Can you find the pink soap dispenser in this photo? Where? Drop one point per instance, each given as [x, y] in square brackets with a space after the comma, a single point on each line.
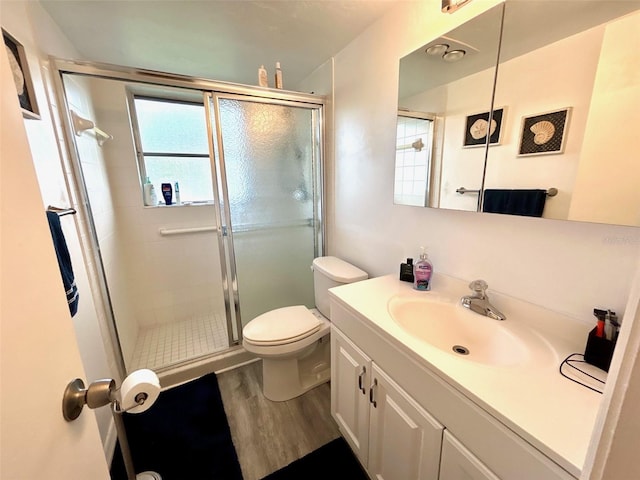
[422, 271]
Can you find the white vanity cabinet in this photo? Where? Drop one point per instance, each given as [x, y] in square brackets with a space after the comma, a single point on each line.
[393, 436]
[458, 463]
[400, 436]
[350, 377]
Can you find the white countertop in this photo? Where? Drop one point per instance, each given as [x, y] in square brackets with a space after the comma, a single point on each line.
[552, 413]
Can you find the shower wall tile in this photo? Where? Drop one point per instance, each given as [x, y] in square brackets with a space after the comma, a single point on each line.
[126, 195]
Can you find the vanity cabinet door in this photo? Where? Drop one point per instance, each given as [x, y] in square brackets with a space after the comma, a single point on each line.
[350, 380]
[404, 440]
[458, 463]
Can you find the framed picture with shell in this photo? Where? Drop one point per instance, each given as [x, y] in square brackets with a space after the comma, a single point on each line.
[544, 133]
[21, 77]
[477, 128]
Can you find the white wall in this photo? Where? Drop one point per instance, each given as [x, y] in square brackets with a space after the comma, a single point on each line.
[32, 26]
[320, 82]
[610, 127]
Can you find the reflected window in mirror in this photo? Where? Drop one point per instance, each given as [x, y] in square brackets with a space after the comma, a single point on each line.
[413, 170]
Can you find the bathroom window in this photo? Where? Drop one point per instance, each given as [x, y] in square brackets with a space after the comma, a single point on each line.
[173, 144]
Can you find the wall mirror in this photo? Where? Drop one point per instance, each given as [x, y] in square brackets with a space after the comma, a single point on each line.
[446, 80]
[564, 112]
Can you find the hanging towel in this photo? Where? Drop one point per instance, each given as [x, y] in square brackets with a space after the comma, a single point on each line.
[529, 203]
[64, 262]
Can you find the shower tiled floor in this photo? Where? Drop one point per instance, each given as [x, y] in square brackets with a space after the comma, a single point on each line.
[171, 343]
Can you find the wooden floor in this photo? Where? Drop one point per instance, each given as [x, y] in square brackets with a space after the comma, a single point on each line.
[270, 435]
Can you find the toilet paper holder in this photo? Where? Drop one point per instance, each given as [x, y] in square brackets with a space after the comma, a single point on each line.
[98, 394]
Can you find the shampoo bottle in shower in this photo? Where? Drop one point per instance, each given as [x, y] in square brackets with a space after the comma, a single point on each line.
[262, 77]
[422, 271]
[149, 193]
[177, 192]
[278, 75]
[167, 193]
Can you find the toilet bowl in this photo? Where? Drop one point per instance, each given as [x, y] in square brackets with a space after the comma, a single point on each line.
[293, 342]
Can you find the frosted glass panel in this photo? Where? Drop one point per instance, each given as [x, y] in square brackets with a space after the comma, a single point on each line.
[269, 160]
[268, 155]
[171, 127]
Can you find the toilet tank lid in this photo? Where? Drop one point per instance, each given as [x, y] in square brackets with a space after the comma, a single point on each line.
[339, 270]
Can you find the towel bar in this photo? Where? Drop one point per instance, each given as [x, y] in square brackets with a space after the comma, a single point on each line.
[552, 192]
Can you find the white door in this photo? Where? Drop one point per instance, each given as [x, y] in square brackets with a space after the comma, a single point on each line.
[350, 374]
[458, 463]
[404, 440]
[38, 350]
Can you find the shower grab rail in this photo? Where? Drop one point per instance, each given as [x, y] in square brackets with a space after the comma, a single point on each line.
[180, 231]
[249, 227]
[253, 227]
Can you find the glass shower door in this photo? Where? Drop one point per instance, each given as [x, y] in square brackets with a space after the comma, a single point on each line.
[269, 163]
[160, 270]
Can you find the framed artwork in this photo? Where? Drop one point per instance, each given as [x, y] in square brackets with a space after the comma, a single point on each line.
[477, 128]
[21, 76]
[544, 133]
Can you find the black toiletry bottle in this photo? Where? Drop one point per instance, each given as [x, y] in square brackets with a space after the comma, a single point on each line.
[406, 271]
[167, 193]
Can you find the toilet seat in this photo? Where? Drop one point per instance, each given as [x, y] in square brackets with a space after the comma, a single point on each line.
[281, 326]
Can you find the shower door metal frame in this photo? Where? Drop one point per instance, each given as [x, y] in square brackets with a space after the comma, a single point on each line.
[208, 88]
[217, 157]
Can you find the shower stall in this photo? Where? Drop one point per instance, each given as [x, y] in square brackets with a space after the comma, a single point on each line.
[180, 275]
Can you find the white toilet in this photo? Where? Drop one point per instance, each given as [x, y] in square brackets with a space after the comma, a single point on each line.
[293, 342]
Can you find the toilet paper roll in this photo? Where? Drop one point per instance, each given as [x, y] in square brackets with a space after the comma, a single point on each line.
[139, 384]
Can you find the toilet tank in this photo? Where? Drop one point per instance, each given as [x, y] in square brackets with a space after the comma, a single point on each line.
[329, 272]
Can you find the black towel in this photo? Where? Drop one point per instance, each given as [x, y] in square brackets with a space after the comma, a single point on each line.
[529, 203]
[64, 262]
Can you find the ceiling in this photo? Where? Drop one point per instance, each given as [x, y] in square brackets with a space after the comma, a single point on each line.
[215, 39]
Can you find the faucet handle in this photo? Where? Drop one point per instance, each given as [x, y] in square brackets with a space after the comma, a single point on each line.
[479, 287]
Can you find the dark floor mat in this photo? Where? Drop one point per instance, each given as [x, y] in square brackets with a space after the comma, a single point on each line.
[333, 460]
[185, 434]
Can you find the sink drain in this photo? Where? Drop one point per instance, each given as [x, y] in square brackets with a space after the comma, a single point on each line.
[460, 350]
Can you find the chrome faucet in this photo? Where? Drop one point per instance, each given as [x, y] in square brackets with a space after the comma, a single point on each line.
[479, 302]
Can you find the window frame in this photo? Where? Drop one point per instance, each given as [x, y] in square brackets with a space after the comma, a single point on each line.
[137, 138]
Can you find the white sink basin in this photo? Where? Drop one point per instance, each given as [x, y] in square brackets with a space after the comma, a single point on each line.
[448, 326]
